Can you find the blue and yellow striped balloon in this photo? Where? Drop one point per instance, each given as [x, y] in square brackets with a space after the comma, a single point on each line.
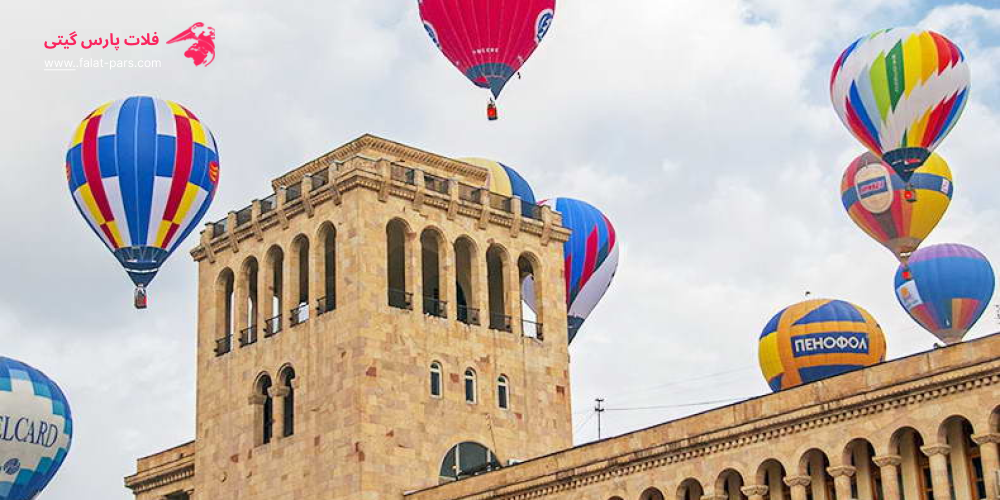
[505, 180]
[816, 339]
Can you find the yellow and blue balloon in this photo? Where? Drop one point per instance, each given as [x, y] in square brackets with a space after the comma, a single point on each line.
[816, 339]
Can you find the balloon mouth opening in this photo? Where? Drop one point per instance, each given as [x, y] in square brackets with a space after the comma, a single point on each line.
[141, 263]
[904, 161]
[573, 323]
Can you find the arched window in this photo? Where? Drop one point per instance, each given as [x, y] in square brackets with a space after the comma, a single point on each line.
[300, 312]
[651, 494]
[503, 392]
[496, 261]
[470, 385]
[465, 282]
[531, 314]
[264, 411]
[436, 381]
[288, 402]
[275, 289]
[328, 237]
[467, 459]
[431, 272]
[248, 334]
[396, 253]
[224, 304]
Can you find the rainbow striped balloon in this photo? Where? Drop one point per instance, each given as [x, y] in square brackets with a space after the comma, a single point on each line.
[816, 339]
[900, 91]
[143, 172]
[952, 285]
[873, 196]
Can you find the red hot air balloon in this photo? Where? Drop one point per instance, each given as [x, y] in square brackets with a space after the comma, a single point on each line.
[487, 41]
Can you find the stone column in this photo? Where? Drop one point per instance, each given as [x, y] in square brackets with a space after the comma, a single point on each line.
[889, 470]
[842, 480]
[755, 492]
[938, 455]
[798, 485]
[257, 402]
[991, 461]
[278, 395]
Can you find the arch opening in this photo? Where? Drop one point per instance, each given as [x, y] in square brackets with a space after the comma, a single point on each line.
[467, 310]
[396, 257]
[431, 271]
[496, 262]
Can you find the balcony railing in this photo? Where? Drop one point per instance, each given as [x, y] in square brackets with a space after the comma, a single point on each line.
[244, 216]
[403, 174]
[501, 203]
[400, 299]
[219, 228]
[268, 204]
[501, 322]
[435, 307]
[470, 194]
[299, 314]
[532, 329]
[436, 184]
[325, 305]
[248, 335]
[293, 192]
[531, 211]
[223, 345]
[468, 315]
[320, 179]
[272, 326]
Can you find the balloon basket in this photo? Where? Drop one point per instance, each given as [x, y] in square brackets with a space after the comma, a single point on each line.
[140, 297]
[910, 194]
[491, 111]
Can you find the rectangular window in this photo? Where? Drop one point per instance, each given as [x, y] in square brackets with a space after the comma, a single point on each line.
[502, 396]
[470, 390]
[436, 384]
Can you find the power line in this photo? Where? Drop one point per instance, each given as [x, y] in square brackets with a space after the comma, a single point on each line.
[584, 423]
[679, 405]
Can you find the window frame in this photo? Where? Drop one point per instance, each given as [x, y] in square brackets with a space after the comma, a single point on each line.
[503, 392]
[436, 369]
[470, 378]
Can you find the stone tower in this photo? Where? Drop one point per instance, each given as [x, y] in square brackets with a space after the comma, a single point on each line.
[363, 321]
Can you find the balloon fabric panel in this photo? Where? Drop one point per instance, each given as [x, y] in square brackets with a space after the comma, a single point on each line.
[143, 172]
[900, 90]
[488, 41]
[816, 339]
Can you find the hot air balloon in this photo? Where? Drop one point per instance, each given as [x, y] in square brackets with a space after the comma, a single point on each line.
[505, 181]
[816, 339]
[591, 259]
[143, 172]
[487, 41]
[900, 91]
[952, 285]
[37, 430]
[873, 196]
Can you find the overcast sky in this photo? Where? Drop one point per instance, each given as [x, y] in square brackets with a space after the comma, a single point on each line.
[701, 127]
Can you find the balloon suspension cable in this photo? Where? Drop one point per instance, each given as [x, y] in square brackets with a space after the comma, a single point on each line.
[140, 297]
[491, 111]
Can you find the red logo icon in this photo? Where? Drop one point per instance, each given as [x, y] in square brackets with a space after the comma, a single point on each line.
[202, 51]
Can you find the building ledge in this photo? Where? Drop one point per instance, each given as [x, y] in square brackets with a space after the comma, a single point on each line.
[163, 468]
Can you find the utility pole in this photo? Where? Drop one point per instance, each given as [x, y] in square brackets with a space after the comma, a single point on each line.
[599, 408]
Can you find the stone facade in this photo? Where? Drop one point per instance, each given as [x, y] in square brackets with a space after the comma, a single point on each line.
[356, 370]
[365, 424]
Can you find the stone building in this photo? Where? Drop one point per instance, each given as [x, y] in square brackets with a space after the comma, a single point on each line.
[360, 337]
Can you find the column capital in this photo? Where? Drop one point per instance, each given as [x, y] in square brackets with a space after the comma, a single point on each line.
[797, 480]
[842, 470]
[993, 437]
[278, 391]
[888, 460]
[754, 490]
[257, 399]
[935, 449]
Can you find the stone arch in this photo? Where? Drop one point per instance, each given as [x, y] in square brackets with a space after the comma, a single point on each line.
[225, 290]
[398, 273]
[866, 482]
[814, 463]
[274, 289]
[651, 493]
[690, 489]
[433, 271]
[497, 266]
[771, 473]
[300, 272]
[467, 279]
[326, 267]
[532, 286]
[729, 484]
[247, 300]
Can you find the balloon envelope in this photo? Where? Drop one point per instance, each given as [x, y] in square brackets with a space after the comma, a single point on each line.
[487, 41]
[816, 339]
[143, 172]
[591, 259]
[873, 196]
[37, 430]
[900, 91]
[952, 285]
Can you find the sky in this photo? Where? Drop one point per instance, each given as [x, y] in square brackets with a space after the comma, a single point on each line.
[703, 129]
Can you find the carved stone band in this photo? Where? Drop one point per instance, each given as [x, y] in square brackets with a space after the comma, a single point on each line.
[888, 460]
[754, 490]
[986, 438]
[798, 480]
[843, 470]
[937, 449]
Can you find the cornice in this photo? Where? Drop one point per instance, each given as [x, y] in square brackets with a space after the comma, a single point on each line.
[853, 407]
[161, 476]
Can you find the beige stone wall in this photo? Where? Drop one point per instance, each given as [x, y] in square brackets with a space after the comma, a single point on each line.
[829, 423]
[366, 426]
[170, 472]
